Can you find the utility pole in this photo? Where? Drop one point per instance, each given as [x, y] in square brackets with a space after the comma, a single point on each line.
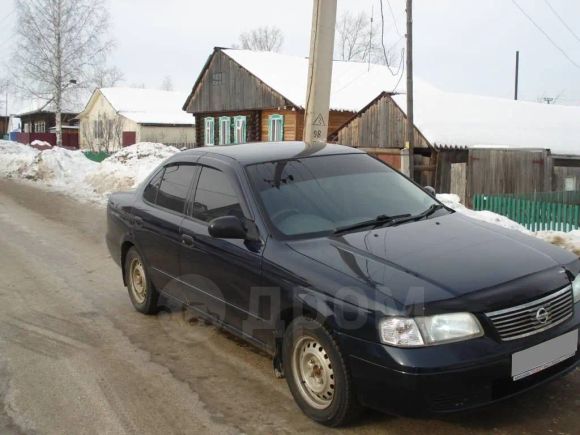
[320, 72]
[371, 35]
[410, 115]
[517, 74]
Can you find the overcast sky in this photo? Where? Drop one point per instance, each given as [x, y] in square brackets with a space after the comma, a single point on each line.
[460, 45]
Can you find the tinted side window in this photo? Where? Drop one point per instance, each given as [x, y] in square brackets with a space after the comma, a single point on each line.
[150, 192]
[174, 187]
[215, 197]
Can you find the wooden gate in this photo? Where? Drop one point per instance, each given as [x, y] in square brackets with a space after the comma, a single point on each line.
[129, 138]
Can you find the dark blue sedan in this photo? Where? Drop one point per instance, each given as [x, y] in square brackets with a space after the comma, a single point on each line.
[365, 289]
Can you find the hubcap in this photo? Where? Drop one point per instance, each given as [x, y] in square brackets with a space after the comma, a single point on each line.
[313, 373]
[138, 281]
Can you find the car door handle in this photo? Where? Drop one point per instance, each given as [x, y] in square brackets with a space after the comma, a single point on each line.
[187, 240]
[138, 222]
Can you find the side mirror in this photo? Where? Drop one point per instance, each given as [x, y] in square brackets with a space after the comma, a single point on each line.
[227, 227]
[431, 191]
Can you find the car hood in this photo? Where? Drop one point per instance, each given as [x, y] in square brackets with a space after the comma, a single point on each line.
[447, 257]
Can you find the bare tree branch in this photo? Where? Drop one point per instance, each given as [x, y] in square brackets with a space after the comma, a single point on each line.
[357, 40]
[106, 77]
[61, 45]
[167, 84]
[262, 39]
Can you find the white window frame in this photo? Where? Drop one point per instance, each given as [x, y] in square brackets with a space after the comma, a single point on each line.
[276, 128]
[240, 130]
[209, 135]
[225, 124]
[40, 127]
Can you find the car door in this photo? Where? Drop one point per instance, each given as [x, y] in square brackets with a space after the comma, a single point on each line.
[158, 218]
[221, 275]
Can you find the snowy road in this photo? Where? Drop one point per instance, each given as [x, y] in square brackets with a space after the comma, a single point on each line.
[75, 357]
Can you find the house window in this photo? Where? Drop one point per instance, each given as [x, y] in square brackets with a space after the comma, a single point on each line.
[216, 78]
[209, 132]
[276, 128]
[570, 184]
[98, 129]
[27, 127]
[240, 129]
[225, 130]
[40, 127]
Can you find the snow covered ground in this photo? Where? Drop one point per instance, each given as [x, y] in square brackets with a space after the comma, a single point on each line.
[570, 240]
[70, 172]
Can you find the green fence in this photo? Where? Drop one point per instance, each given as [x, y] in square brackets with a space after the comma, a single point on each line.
[96, 156]
[533, 214]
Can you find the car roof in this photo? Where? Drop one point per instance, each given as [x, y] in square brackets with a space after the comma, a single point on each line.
[259, 152]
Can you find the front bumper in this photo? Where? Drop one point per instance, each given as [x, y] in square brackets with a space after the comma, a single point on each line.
[446, 378]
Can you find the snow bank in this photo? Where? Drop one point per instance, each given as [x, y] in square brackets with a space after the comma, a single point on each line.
[14, 157]
[128, 167]
[70, 172]
[40, 143]
[59, 167]
[453, 202]
[570, 241]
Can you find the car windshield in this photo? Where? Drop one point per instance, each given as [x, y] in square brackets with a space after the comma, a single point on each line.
[314, 195]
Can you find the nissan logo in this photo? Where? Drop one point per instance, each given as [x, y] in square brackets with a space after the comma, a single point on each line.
[542, 316]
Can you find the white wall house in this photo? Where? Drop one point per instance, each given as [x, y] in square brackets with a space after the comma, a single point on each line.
[117, 117]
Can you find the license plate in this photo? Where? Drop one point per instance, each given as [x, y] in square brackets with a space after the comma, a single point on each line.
[543, 356]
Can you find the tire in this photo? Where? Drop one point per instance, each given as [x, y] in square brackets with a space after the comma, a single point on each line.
[142, 293]
[317, 374]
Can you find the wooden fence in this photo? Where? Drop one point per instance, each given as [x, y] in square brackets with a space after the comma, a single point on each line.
[535, 215]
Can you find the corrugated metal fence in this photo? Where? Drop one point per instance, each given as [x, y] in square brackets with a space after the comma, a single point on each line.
[535, 214]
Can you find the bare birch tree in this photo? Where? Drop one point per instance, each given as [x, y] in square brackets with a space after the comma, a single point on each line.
[167, 84]
[4, 85]
[61, 43]
[358, 39]
[266, 38]
[107, 77]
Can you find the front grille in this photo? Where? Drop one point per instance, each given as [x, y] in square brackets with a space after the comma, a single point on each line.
[533, 317]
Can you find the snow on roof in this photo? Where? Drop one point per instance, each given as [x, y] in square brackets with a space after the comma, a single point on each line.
[475, 121]
[444, 118]
[354, 84]
[39, 105]
[149, 106]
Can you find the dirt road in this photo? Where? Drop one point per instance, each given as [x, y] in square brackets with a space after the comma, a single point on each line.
[76, 358]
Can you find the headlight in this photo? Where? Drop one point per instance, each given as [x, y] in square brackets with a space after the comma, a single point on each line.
[426, 331]
[576, 289]
[401, 332]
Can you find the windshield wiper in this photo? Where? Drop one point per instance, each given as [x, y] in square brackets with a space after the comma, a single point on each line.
[376, 222]
[419, 216]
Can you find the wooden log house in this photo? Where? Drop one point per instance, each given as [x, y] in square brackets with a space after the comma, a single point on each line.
[235, 103]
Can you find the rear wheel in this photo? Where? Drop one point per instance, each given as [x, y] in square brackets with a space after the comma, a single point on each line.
[141, 291]
[317, 374]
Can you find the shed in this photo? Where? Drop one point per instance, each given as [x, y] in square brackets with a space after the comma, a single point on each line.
[117, 117]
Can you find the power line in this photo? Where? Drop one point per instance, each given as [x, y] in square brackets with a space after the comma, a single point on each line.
[393, 16]
[7, 16]
[560, 49]
[394, 73]
[562, 20]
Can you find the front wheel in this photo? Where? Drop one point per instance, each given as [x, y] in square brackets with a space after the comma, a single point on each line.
[143, 295]
[317, 374]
